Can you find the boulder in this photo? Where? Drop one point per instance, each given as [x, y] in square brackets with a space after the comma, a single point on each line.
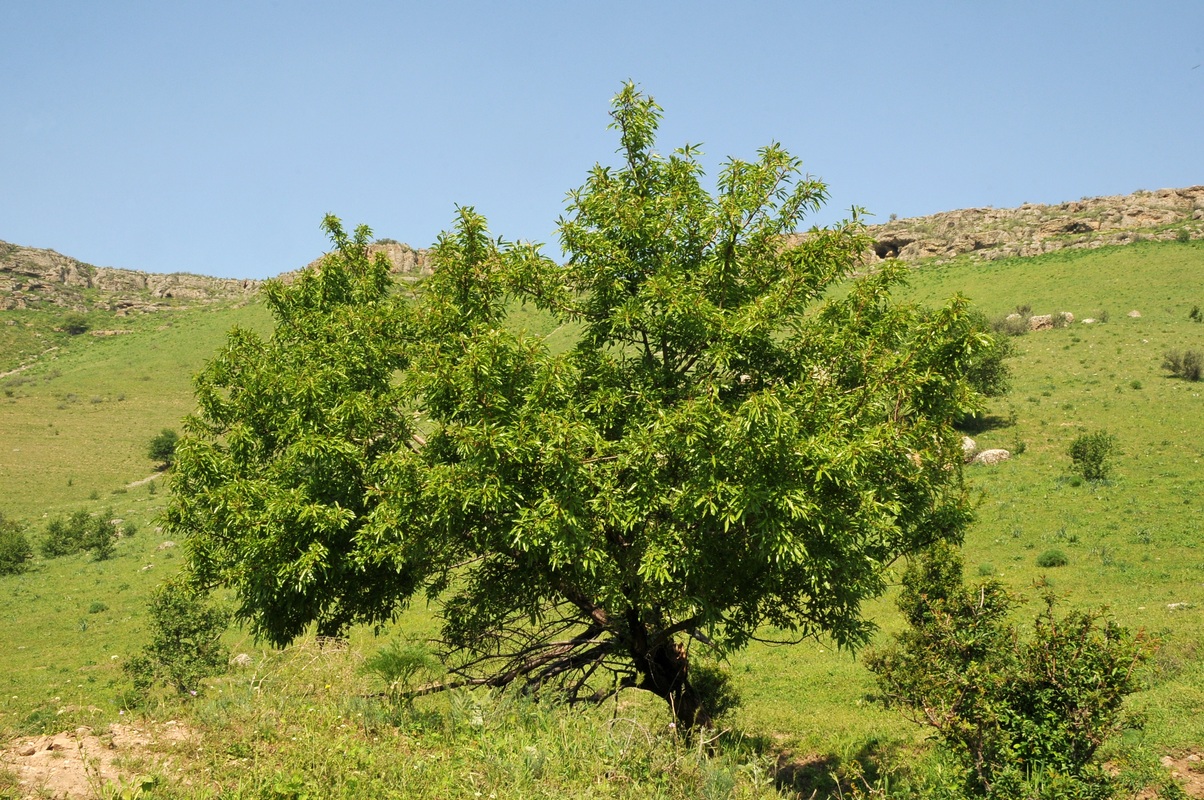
[991, 457]
[1040, 322]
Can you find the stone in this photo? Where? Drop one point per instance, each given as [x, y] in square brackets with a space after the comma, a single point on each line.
[969, 448]
[1135, 313]
[1040, 322]
[992, 457]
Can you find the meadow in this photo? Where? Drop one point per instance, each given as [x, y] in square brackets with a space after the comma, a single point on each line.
[310, 721]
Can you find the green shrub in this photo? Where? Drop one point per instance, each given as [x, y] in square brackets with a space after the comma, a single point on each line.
[15, 550]
[78, 532]
[1052, 558]
[96, 607]
[1187, 365]
[185, 644]
[1091, 454]
[400, 665]
[1021, 718]
[1012, 325]
[163, 447]
[75, 324]
[1194, 315]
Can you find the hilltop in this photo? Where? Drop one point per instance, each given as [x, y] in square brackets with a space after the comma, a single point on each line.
[33, 278]
[1033, 229]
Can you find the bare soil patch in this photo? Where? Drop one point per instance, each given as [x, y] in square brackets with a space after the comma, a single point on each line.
[79, 764]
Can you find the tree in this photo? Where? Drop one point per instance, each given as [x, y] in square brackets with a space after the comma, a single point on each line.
[1008, 710]
[15, 550]
[162, 447]
[185, 646]
[738, 438]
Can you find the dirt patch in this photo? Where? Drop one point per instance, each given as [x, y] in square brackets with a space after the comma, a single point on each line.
[81, 763]
[1188, 772]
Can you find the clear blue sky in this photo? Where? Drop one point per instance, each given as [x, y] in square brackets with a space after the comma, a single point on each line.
[212, 137]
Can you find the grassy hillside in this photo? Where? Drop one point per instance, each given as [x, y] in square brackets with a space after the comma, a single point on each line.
[74, 433]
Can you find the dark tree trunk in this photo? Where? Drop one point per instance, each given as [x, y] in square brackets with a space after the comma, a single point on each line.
[664, 671]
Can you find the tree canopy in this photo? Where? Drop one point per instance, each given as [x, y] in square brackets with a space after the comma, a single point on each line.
[742, 439]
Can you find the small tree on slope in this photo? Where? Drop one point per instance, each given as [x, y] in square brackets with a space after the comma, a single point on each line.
[730, 445]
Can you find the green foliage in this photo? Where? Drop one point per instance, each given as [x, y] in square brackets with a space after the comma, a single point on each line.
[729, 444]
[79, 532]
[185, 644]
[1022, 718]
[1091, 454]
[163, 447]
[75, 324]
[1187, 365]
[15, 550]
[1195, 315]
[399, 665]
[1052, 558]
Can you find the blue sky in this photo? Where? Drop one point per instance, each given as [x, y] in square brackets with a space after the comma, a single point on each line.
[212, 137]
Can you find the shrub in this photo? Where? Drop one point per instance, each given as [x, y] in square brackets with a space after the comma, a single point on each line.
[1194, 315]
[1052, 558]
[1091, 454]
[163, 447]
[1187, 365]
[78, 532]
[399, 665]
[1020, 718]
[15, 551]
[1014, 324]
[185, 644]
[75, 324]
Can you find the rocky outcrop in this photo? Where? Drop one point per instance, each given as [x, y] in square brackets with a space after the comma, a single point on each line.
[32, 276]
[1031, 229]
[407, 263]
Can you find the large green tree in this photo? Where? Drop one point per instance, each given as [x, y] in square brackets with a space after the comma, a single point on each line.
[744, 437]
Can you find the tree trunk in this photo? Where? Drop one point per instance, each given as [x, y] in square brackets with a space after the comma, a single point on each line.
[664, 671]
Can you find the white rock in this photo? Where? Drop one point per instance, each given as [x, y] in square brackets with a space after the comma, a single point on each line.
[990, 457]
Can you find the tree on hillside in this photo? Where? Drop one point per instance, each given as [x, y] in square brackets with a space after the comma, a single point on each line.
[162, 448]
[733, 447]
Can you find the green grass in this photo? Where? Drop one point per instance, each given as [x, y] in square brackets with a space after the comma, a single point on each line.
[79, 421]
[1132, 543]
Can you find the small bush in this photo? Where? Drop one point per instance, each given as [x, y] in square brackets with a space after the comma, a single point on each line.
[1194, 315]
[1183, 235]
[97, 607]
[1091, 454]
[75, 324]
[1021, 718]
[400, 665]
[1062, 319]
[79, 532]
[15, 550]
[163, 447]
[185, 644]
[1187, 365]
[1011, 325]
[1052, 558]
